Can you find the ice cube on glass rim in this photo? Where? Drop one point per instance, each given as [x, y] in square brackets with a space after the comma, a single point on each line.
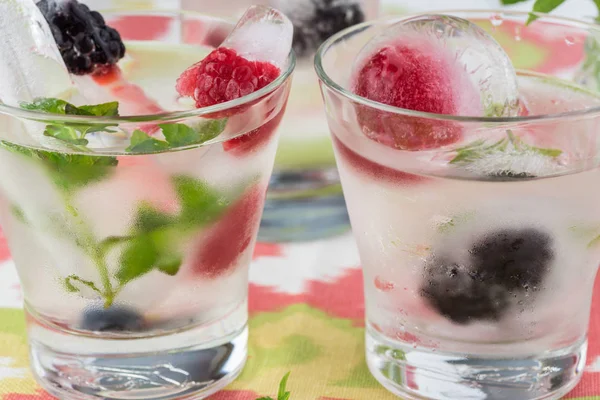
[455, 47]
[262, 34]
[30, 63]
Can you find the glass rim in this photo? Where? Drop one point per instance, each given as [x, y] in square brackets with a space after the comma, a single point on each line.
[335, 87]
[15, 111]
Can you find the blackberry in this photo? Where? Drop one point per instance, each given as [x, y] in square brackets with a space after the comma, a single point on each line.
[82, 36]
[327, 18]
[113, 319]
[517, 259]
[499, 266]
[460, 296]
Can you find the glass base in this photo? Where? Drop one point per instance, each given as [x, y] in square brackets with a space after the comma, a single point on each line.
[422, 374]
[304, 205]
[164, 367]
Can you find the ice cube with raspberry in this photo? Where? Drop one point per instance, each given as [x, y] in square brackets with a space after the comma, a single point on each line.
[431, 64]
[251, 57]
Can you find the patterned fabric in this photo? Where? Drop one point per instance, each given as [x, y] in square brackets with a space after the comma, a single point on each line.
[306, 315]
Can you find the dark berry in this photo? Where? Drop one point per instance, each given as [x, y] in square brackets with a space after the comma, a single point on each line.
[84, 40]
[517, 259]
[113, 319]
[500, 265]
[461, 297]
[328, 18]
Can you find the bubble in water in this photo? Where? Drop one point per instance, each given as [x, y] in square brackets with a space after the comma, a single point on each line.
[459, 45]
[496, 20]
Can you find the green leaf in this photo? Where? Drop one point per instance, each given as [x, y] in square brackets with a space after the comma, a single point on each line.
[169, 264]
[102, 110]
[137, 259]
[149, 219]
[179, 135]
[141, 142]
[200, 204]
[543, 6]
[283, 394]
[65, 133]
[68, 170]
[74, 289]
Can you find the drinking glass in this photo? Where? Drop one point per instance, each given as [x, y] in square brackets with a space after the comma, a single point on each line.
[133, 257]
[305, 200]
[479, 257]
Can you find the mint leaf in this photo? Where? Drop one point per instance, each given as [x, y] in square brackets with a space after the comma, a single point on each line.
[200, 204]
[74, 289]
[543, 6]
[169, 264]
[137, 259]
[69, 132]
[66, 134]
[68, 170]
[179, 135]
[102, 110]
[149, 219]
[283, 394]
[141, 142]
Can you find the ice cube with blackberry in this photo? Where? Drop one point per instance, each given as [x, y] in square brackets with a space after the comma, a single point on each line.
[482, 273]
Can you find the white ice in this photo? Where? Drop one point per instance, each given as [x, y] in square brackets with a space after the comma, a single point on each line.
[30, 63]
[262, 34]
[487, 64]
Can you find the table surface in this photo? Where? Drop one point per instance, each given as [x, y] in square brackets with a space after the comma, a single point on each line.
[306, 317]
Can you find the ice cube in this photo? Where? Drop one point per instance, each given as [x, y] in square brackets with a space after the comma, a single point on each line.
[262, 34]
[461, 49]
[30, 63]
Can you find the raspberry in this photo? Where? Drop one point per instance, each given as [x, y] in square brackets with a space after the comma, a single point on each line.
[373, 169]
[224, 76]
[255, 139]
[231, 235]
[421, 78]
[82, 36]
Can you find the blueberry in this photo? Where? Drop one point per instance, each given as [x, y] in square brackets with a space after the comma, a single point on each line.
[500, 265]
[82, 36]
[113, 319]
[327, 18]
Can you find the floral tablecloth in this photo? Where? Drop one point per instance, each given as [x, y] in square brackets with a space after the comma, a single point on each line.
[306, 314]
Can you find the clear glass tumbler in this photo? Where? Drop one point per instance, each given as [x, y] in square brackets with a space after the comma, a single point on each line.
[479, 257]
[134, 258]
[305, 200]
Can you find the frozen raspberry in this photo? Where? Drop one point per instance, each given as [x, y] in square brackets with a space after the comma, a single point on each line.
[224, 76]
[82, 36]
[231, 235]
[373, 169]
[255, 139]
[421, 78]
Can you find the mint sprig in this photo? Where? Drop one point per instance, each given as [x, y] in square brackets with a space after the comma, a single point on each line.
[282, 394]
[176, 135]
[72, 133]
[546, 6]
[480, 149]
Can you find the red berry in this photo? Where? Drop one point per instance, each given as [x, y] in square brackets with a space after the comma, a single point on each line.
[371, 168]
[231, 235]
[421, 78]
[255, 139]
[224, 76]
